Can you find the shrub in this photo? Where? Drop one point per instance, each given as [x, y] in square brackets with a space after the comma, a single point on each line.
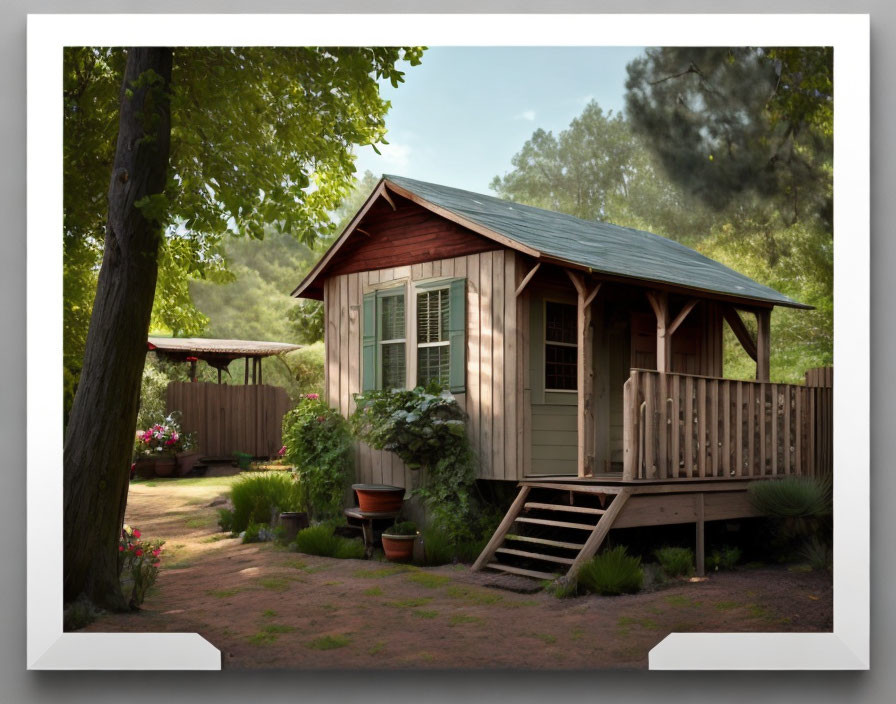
[162, 439]
[225, 519]
[791, 497]
[320, 540]
[403, 528]
[257, 497]
[138, 564]
[611, 573]
[724, 558]
[318, 444]
[242, 459]
[425, 427]
[676, 562]
[817, 554]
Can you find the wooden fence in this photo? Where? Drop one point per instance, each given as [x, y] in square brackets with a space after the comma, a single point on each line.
[228, 419]
[684, 426]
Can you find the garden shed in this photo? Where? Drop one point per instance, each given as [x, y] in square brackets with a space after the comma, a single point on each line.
[227, 418]
[585, 354]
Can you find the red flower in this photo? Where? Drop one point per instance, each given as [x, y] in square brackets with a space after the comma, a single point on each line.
[139, 552]
[155, 553]
[121, 548]
[136, 533]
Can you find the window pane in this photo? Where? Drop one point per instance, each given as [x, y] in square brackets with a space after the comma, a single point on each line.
[393, 366]
[432, 316]
[432, 365]
[392, 317]
[560, 367]
[560, 322]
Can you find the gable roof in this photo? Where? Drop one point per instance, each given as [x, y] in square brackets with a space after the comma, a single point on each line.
[545, 234]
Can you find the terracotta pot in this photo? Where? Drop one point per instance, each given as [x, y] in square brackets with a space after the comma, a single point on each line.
[186, 461]
[144, 467]
[165, 466]
[293, 522]
[379, 498]
[398, 548]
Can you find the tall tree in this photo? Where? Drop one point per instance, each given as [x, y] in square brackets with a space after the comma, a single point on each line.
[729, 123]
[250, 137]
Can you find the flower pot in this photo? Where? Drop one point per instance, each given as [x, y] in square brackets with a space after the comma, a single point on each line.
[398, 548]
[379, 498]
[165, 466]
[186, 461]
[149, 467]
[293, 522]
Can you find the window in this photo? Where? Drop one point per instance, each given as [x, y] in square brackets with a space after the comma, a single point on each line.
[560, 350]
[391, 324]
[433, 345]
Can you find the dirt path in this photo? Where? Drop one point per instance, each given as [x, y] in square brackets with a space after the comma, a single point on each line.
[264, 607]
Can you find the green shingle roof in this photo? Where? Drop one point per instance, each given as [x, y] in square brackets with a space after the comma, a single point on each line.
[602, 247]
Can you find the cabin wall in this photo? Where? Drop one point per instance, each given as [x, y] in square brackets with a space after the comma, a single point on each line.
[493, 378]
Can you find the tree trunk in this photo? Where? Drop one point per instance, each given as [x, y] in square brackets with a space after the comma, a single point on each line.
[100, 435]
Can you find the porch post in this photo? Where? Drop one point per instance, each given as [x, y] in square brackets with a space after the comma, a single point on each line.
[763, 343]
[659, 301]
[585, 425]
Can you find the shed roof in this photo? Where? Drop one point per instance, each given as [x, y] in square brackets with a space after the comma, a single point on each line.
[201, 346]
[598, 246]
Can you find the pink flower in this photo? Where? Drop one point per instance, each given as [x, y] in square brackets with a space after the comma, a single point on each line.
[121, 548]
[312, 397]
[156, 563]
[139, 552]
[136, 533]
[282, 451]
[155, 553]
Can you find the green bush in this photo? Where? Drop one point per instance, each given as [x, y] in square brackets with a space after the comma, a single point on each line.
[320, 540]
[817, 554]
[426, 428]
[611, 573]
[724, 558]
[402, 528]
[256, 497]
[225, 519]
[318, 444]
[676, 562]
[791, 497]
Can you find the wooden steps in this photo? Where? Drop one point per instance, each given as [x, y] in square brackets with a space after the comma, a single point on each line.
[499, 554]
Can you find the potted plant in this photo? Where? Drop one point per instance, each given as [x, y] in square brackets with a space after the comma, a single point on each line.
[242, 460]
[157, 447]
[189, 455]
[398, 541]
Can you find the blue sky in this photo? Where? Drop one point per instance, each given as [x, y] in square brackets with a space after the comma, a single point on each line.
[461, 115]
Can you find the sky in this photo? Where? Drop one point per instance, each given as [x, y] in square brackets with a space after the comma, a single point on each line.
[462, 114]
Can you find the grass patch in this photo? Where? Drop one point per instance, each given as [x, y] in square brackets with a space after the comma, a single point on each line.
[723, 558]
[625, 622]
[275, 584]
[463, 619]
[328, 642]
[430, 581]
[216, 537]
[268, 613]
[275, 628]
[262, 638]
[201, 522]
[223, 593]
[376, 648]
[726, 605]
[472, 596]
[373, 591]
[680, 600]
[423, 613]
[411, 603]
[294, 564]
[383, 571]
[545, 638]
[611, 573]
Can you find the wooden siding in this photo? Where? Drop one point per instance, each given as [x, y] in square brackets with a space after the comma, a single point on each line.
[492, 377]
[229, 419]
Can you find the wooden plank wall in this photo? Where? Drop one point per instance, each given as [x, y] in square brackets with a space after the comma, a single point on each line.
[228, 419]
[821, 410]
[687, 426]
[493, 375]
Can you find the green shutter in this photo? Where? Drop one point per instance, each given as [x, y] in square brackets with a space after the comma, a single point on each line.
[368, 350]
[457, 335]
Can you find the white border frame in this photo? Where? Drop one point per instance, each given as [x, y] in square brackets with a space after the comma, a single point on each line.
[846, 648]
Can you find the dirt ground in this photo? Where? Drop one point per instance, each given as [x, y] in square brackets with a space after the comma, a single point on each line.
[265, 607]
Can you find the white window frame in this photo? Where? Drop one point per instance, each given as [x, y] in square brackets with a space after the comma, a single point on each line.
[419, 345]
[387, 292]
[546, 342]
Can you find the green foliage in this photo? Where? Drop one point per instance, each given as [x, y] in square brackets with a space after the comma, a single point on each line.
[78, 614]
[262, 137]
[611, 573]
[253, 532]
[817, 553]
[425, 428]
[320, 540]
[242, 459]
[791, 497]
[320, 447]
[724, 558]
[402, 528]
[256, 497]
[138, 565]
[676, 562]
[152, 393]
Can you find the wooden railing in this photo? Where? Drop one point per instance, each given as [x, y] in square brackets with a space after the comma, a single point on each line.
[679, 426]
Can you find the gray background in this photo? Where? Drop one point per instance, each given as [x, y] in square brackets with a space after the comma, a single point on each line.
[18, 685]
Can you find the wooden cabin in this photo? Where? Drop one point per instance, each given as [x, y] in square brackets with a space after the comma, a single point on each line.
[585, 354]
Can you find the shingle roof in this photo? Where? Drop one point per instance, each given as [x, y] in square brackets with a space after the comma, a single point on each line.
[203, 345]
[606, 248]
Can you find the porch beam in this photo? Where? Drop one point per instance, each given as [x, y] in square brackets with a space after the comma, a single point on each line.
[659, 301]
[763, 344]
[388, 199]
[585, 426]
[527, 278]
[736, 323]
[682, 314]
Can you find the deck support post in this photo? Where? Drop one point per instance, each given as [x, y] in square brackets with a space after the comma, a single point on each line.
[659, 301]
[586, 428]
[246, 371]
[701, 541]
[763, 343]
